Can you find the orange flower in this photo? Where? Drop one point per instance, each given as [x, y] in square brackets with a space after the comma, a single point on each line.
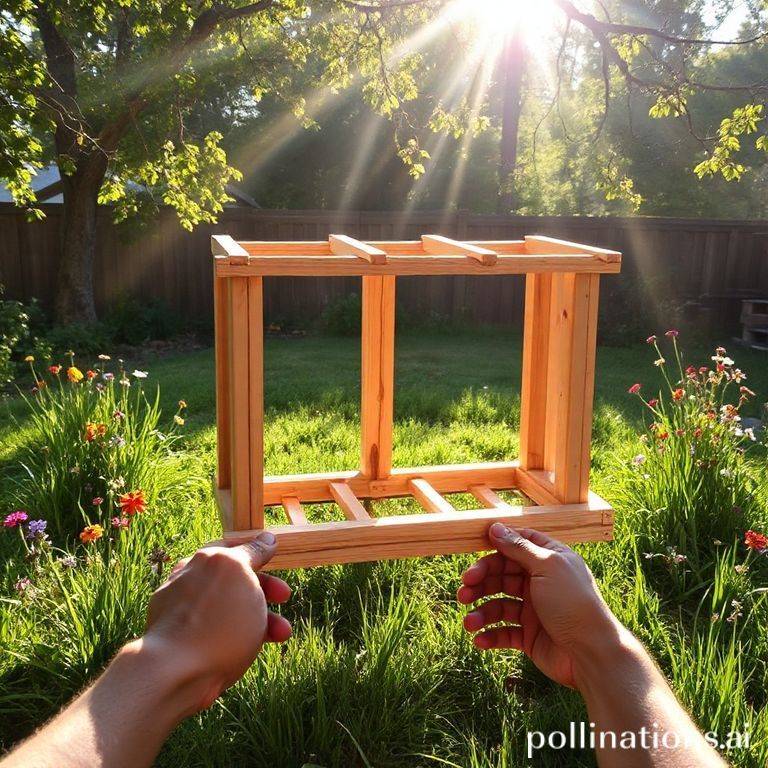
[54, 369]
[75, 375]
[92, 431]
[91, 533]
[756, 541]
[678, 394]
[89, 374]
[133, 503]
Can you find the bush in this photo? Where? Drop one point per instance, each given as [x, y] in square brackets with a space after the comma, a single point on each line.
[17, 334]
[97, 440]
[89, 339]
[689, 482]
[131, 321]
[343, 316]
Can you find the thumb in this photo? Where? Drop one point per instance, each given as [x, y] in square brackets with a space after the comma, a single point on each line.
[517, 548]
[259, 550]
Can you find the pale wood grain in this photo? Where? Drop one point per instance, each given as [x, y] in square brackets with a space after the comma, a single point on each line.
[349, 503]
[223, 405]
[294, 511]
[256, 397]
[225, 248]
[341, 245]
[428, 497]
[437, 244]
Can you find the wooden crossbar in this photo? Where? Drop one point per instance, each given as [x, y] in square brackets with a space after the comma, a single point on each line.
[562, 286]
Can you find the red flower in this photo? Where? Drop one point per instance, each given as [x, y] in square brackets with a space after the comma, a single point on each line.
[92, 431]
[89, 374]
[663, 435]
[650, 340]
[756, 541]
[697, 433]
[691, 372]
[133, 503]
[54, 369]
[653, 402]
[703, 369]
[678, 394]
[673, 334]
[97, 501]
[634, 389]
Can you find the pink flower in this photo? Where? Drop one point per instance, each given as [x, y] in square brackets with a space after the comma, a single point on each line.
[15, 518]
[673, 334]
[634, 389]
[97, 501]
[653, 402]
[650, 340]
[120, 522]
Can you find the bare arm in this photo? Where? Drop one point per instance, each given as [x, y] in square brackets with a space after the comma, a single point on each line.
[553, 611]
[205, 626]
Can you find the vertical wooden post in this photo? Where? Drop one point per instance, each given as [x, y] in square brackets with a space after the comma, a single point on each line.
[533, 397]
[570, 390]
[256, 398]
[221, 313]
[239, 387]
[377, 373]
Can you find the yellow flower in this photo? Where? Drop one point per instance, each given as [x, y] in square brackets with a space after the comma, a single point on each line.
[74, 374]
[178, 420]
[91, 533]
[182, 404]
[29, 359]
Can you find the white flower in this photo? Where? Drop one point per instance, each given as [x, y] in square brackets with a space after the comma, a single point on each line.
[726, 473]
[104, 357]
[140, 374]
[750, 433]
[727, 361]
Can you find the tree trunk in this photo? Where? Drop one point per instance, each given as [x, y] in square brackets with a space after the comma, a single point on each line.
[74, 301]
[513, 63]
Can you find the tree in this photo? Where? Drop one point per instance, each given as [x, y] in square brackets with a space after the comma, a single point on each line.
[127, 90]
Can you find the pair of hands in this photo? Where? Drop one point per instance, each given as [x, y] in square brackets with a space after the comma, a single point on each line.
[212, 618]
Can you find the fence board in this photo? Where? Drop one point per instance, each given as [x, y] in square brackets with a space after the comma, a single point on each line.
[665, 261]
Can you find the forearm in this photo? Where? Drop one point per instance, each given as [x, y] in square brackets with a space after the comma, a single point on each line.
[121, 720]
[625, 693]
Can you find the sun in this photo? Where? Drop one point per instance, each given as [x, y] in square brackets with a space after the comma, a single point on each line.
[494, 19]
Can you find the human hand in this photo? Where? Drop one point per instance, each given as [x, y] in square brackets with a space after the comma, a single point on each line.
[210, 619]
[552, 609]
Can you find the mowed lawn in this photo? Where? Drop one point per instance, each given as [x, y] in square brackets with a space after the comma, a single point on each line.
[380, 672]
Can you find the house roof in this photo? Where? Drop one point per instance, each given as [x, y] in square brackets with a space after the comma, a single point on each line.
[47, 185]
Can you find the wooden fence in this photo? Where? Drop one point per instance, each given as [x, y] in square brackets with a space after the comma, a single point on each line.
[668, 263]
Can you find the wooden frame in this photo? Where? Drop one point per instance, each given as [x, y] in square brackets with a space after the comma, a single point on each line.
[562, 283]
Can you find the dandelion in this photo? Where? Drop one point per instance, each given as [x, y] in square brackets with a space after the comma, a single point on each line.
[650, 340]
[54, 369]
[91, 533]
[75, 375]
[659, 362]
[756, 541]
[15, 518]
[178, 420]
[634, 389]
[133, 503]
[140, 374]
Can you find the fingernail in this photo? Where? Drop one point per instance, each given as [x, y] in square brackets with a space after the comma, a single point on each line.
[266, 538]
[500, 531]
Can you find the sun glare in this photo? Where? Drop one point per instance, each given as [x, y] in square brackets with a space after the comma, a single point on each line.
[497, 18]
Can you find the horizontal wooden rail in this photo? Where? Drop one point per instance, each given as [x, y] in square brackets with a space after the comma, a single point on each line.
[428, 497]
[424, 534]
[452, 478]
[352, 266]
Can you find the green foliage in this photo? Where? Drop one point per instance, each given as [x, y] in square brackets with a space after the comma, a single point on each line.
[342, 317]
[133, 321]
[17, 334]
[89, 339]
[97, 436]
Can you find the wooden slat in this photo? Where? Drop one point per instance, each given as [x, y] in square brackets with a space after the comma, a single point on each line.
[256, 397]
[490, 499]
[349, 503]
[341, 245]
[226, 249]
[432, 533]
[390, 247]
[533, 396]
[537, 244]
[377, 372]
[351, 266]
[437, 244]
[293, 510]
[223, 407]
[428, 497]
[535, 485]
[571, 377]
[452, 478]
[239, 381]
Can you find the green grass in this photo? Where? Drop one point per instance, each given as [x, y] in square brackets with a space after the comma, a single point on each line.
[379, 672]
